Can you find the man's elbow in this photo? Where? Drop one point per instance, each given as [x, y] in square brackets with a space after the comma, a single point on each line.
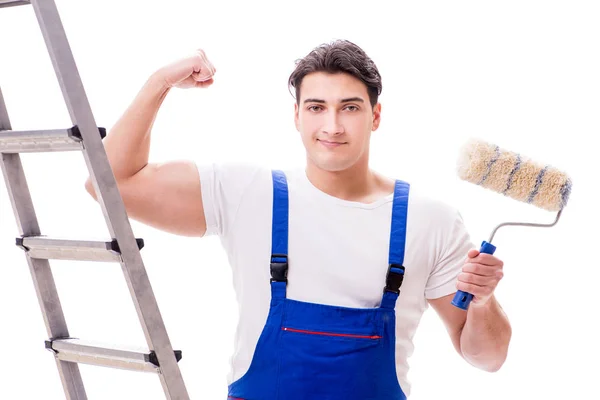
[494, 367]
[488, 362]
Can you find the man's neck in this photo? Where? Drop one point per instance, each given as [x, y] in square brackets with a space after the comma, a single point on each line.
[358, 183]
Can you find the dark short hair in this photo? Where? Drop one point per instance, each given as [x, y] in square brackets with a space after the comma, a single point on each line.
[340, 56]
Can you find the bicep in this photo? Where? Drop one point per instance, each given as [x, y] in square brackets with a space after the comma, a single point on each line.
[453, 317]
[166, 196]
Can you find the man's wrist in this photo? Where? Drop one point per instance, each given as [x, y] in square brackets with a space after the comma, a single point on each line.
[158, 82]
[483, 305]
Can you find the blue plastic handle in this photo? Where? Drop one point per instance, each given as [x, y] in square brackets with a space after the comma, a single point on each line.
[462, 299]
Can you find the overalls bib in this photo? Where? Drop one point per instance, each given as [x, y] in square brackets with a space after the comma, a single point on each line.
[310, 351]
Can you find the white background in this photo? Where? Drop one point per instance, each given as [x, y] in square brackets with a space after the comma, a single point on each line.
[521, 74]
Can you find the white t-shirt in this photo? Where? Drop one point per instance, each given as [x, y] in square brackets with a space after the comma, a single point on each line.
[338, 251]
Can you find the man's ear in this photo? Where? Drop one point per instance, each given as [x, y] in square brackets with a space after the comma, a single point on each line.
[296, 117]
[376, 116]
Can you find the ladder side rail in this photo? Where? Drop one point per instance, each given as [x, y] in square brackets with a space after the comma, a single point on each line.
[109, 197]
[43, 280]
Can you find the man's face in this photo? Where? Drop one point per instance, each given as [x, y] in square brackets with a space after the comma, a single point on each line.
[335, 120]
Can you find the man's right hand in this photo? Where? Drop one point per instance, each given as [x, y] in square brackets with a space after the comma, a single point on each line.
[189, 72]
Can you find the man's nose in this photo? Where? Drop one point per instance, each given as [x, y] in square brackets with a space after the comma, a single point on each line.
[332, 124]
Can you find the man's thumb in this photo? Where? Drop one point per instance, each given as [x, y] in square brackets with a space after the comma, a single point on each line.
[473, 253]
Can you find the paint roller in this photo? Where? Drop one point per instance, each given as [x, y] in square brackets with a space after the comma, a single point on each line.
[515, 176]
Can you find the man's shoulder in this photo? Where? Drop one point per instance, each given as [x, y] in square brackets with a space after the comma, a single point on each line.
[424, 199]
[231, 169]
[231, 173]
[431, 208]
[243, 169]
[242, 176]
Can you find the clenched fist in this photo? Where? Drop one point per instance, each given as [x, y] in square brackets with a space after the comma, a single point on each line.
[189, 72]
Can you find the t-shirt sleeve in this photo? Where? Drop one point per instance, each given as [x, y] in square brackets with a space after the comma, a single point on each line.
[223, 187]
[444, 275]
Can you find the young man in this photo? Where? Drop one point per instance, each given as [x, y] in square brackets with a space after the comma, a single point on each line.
[333, 264]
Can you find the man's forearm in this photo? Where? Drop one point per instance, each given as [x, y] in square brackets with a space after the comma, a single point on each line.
[486, 335]
[128, 143]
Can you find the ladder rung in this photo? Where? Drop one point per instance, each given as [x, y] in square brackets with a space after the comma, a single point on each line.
[11, 3]
[75, 350]
[42, 141]
[79, 250]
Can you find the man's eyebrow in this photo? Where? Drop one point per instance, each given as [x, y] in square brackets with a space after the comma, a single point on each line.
[357, 99]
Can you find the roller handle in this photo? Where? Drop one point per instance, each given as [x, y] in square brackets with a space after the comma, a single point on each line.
[462, 299]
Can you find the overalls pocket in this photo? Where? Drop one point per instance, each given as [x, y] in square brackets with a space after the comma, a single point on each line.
[328, 363]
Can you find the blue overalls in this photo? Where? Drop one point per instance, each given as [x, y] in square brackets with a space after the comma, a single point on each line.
[310, 351]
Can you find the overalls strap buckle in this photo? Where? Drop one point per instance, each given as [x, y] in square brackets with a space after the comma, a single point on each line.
[279, 268]
[394, 278]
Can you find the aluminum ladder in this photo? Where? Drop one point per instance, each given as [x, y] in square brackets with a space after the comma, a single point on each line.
[124, 248]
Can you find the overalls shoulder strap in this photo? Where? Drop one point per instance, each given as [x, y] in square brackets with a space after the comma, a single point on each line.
[395, 274]
[279, 236]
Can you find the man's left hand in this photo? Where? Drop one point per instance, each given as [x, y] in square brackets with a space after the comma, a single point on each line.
[480, 276]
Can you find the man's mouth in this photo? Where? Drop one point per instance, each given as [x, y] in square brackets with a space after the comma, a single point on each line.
[330, 144]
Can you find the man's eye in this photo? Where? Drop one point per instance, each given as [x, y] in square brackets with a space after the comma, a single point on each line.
[311, 108]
